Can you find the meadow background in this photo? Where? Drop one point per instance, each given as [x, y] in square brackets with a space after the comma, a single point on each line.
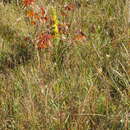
[67, 72]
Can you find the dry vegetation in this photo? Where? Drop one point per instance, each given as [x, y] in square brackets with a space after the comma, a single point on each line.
[80, 82]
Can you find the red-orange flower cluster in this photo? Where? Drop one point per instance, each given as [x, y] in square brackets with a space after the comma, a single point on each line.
[37, 16]
[44, 40]
[28, 2]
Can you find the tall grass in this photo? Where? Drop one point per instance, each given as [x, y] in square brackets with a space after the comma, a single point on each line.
[76, 85]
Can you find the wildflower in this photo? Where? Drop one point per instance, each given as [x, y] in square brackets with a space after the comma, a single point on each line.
[44, 40]
[30, 13]
[28, 2]
[55, 22]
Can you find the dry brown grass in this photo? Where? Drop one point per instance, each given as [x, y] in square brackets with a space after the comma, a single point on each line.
[77, 85]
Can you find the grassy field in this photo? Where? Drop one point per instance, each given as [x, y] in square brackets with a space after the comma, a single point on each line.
[80, 82]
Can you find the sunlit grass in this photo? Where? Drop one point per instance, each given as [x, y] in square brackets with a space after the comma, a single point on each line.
[77, 85]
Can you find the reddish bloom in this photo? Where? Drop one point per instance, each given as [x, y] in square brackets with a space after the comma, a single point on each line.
[30, 13]
[33, 22]
[36, 16]
[42, 11]
[44, 40]
[44, 19]
[28, 2]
